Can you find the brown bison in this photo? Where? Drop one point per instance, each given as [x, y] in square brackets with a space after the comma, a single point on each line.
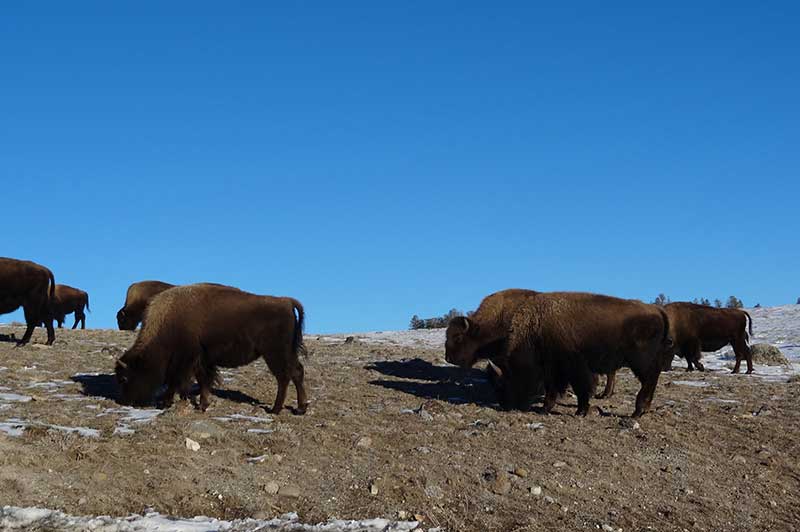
[194, 329]
[30, 286]
[697, 328]
[68, 300]
[138, 296]
[563, 338]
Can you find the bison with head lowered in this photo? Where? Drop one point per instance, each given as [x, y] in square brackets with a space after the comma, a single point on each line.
[193, 330]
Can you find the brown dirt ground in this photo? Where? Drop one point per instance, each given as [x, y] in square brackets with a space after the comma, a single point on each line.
[694, 463]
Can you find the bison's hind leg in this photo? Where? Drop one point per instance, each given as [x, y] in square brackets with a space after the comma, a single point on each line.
[206, 376]
[611, 379]
[298, 376]
[742, 351]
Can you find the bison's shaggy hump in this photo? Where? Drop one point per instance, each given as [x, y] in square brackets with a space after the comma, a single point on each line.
[194, 329]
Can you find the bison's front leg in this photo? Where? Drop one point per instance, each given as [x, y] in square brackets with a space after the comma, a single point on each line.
[280, 398]
[645, 395]
[582, 386]
[611, 379]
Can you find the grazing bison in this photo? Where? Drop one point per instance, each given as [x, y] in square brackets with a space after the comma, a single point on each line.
[698, 328]
[564, 337]
[30, 286]
[136, 300]
[68, 300]
[197, 328]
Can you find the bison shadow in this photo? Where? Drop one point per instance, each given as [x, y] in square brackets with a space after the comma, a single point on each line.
[101, 385]
[105, 385]
[8, 338]
[444, 383]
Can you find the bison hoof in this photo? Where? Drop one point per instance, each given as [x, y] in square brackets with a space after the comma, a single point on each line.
[300, 410]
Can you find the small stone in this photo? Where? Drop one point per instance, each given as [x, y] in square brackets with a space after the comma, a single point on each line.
[608, 528]
[289, 491]
[564, 509]
[272, 487]
[402, 515]
[536, 491]
[373, 489]
[364, 442]
[739, 459]
[521, 472]
[773, 504]
[433, 491]
[548, 499]
[100, 476]
[82, 501]
[192, 445]
[501, 485]
[425, 415]
[559, 464]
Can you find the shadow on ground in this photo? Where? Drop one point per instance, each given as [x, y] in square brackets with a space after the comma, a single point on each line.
[444, 383]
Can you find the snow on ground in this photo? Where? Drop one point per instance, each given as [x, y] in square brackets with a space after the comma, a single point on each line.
[14, 518]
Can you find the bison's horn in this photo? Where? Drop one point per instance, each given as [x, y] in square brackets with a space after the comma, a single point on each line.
[496, 369]
[121, 363]
[466, 324]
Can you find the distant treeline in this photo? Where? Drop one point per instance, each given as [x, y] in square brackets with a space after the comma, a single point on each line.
[733, 301]
[436, 323]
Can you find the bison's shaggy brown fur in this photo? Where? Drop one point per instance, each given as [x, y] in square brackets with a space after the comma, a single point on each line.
[136, 299]
[697, 328]
[563, 338]
[30, 286]
[68, 300]
[194, 329]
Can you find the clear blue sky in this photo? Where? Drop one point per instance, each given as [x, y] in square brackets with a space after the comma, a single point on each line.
[377, 160]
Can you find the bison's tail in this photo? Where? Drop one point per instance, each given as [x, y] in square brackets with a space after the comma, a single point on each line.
[666, 339]
[297, 341]
[750, 322]
[52, 284]
[87, 303]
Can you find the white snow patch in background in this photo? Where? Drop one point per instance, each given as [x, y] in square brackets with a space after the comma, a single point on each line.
[12, 429]
[50, 385]
[425, 338]
[130, 415]
[15, 518]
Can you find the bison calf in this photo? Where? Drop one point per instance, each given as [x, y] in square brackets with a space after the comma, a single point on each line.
[698, 328]
[136, 299]
[68, 300]
[194, 329]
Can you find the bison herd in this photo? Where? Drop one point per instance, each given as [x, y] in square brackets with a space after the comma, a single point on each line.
[536, 343]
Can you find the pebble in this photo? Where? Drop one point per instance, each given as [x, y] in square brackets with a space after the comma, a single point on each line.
[373, 489]
[739, 459]
[549, 499]
[536, 491]
[272, 487]
[501, 485]
[82, 501]
[192, 445]
[433, 491]
[364, 442]
[402, 515]
[559, 464]
[521, 472]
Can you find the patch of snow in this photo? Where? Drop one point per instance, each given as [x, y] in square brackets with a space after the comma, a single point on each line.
[81, 431]
[260, 431]
[696, 384]
[133, 415]
[15, 518]
[718, 400]
[427, 338]
[12, 429]
[15, 397]
[240, 417]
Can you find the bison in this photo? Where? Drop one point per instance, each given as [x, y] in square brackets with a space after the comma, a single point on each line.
[563, 338]
[697, 328]
[194, 329]
[30, 286]
[138, 296]
[68, 300]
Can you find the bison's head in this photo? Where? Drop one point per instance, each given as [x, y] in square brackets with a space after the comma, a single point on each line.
[125, 321]
[138, 383]
[463, 342]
